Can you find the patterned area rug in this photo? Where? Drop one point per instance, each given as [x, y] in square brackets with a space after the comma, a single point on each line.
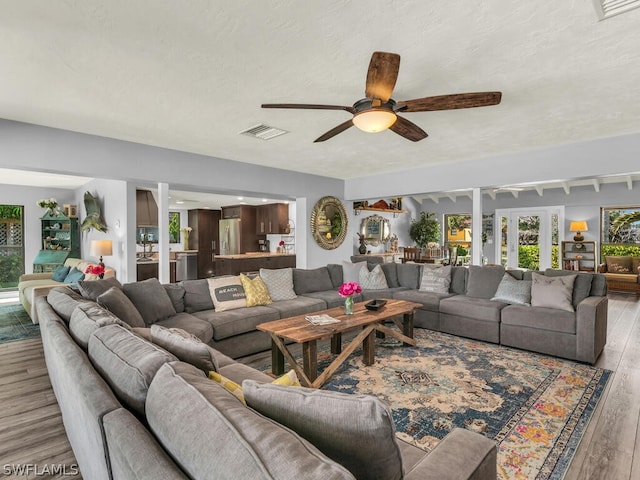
[535, 407]
[15, 324]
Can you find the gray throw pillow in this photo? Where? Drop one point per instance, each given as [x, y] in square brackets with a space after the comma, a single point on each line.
[435, 279]
[354, 430]
[92, 289]
[196, 295]
[483, 281]
[372, 280]
[351, 271]
[552, 292]
[391, 273]
[185, 346]
[314, 280]
[409, 275]
[176, 294]
[279, 282]
[151, 300]
[335, 272]
[119, 304]
[513, 291]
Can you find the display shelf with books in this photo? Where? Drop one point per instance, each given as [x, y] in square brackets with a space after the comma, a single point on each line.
[579, 256]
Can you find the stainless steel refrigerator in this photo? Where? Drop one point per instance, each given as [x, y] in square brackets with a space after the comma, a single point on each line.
[230, 236]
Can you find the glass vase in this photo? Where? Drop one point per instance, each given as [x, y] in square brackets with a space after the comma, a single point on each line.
[348, 306]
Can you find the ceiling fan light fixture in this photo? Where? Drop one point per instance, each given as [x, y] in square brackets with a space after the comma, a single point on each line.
[374, 120]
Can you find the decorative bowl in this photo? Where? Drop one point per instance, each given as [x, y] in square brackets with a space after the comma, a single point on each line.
[375, 304]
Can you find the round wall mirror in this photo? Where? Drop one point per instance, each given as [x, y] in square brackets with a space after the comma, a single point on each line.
[329, 223]
[375, 230]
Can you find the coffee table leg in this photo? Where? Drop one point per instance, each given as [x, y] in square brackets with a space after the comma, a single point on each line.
[310, 359]
[336, 343]
[407, 327]
[277, 360]
[369, 348]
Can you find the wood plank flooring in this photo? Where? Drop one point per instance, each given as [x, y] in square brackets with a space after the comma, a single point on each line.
[31, 430]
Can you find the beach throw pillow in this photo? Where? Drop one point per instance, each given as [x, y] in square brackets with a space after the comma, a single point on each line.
[227, 293]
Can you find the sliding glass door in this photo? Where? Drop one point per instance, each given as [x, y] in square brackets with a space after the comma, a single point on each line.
[11, 246]
[529, 237]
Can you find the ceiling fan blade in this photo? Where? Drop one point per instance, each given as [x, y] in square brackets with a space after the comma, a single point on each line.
[382, 75]
[408, 130]
[452, 102]
[308, 106]
[335, 131]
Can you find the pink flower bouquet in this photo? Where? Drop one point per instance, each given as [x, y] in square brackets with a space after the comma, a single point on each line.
[348, 289]
[95, 269]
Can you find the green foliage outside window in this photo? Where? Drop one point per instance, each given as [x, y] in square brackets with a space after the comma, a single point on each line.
[529, 257]
[174, 227]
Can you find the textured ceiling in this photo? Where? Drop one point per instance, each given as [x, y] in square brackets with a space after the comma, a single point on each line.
[191, 74]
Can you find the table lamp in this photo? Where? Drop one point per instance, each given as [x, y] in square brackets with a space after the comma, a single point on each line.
[578, 227]
[100, 248]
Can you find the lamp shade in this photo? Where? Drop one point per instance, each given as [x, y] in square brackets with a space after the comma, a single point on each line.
[578, 226]
[374, 120]
[101, 248]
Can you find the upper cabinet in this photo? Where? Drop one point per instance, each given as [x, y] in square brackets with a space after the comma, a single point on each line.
[272, 219]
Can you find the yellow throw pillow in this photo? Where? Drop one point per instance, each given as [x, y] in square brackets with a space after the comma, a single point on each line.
[255, 291]
[289, 379]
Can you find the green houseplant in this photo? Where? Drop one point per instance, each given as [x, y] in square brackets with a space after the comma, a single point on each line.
[425, 229]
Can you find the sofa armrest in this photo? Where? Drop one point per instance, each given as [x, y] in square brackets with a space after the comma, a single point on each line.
[34, 276]
[461, 455]
[591, 328]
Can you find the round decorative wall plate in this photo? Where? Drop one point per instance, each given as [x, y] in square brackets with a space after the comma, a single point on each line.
[329, 222]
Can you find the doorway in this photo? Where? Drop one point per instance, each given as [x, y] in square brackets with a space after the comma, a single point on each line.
[11, 246]
[529, 237]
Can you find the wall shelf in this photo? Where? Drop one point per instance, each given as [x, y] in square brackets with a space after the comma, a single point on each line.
[579, 256]
[357, 210]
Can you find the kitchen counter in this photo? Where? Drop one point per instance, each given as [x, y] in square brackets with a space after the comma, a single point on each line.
[255, 255]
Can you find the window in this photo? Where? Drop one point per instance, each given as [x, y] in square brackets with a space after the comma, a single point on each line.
[11, 245]
[174, 227]
[619, 231]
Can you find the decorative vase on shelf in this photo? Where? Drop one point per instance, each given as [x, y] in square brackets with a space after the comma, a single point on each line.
[186, 242]
[348, 305]
[362, 249]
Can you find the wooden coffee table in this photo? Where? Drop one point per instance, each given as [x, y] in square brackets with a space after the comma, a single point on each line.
[299, 330]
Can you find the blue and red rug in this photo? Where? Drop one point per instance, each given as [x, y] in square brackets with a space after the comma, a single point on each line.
[535, 407]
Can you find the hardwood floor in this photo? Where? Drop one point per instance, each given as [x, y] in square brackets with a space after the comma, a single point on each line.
[31, 430]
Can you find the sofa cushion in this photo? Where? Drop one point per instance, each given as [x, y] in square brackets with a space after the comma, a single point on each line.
[119, 304]
[87, 318]
[435, 279]
[539, 317]
[127, 362]
[459, 280]
[475, 308]
[335, 272]
[60, 273]
[238, 372]
[74, 276]
[235, 440]
[279, 283]
[429, 300]
[351, 271]
[409, 275]
[234, 322]
[619, 264]
[513, 291]
[186, 346]
[390, 270]
[64, 301]
[255, 291]
[380, 293]
[581, 285]
[92, 289]
[196, 295]
[372, 280]
[483, 282]
[314, 280]
[227, 293]
[176, 295]
[331, 297]
[354, 430]
[151, 299]
[552, 292]
[186, 321]
[299, 306]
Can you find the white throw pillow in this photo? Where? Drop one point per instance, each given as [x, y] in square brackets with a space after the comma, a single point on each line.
[552, 292]
[227, 293]
[436, 280]
[279, 282]
[372, 280]
[351, 271]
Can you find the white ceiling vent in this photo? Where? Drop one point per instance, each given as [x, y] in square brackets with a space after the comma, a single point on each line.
[610, 8]
[263, 132]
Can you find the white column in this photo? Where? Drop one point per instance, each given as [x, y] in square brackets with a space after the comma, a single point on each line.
[476, 228]
[163, 232]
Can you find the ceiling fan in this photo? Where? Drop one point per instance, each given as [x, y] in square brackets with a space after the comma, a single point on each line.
[378, 111]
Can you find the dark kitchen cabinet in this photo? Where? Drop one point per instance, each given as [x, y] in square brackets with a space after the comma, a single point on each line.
[272, 219]
[247, 264]
[205, 238]
[146, 270]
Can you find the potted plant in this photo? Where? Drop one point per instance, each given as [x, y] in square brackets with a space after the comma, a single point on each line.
[425, 229]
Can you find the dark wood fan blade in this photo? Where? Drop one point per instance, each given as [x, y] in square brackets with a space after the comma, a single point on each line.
[382, 75]
[308, 106]
[452, 102]
[408, 130]
[335, 131]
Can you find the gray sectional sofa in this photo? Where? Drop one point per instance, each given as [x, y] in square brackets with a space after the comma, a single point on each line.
[135, 410]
